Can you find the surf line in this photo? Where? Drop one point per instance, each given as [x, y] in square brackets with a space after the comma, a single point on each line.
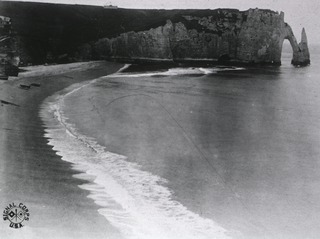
[136, 202]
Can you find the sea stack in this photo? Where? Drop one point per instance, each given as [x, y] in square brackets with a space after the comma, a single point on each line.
[302, 56]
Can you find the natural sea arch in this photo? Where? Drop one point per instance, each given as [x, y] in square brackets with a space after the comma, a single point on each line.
[300, 52]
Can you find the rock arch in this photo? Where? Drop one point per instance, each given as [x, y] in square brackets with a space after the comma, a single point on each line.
[301, 55]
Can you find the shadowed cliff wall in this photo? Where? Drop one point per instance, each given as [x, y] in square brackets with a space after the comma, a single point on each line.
[253, 36]
[65, 33]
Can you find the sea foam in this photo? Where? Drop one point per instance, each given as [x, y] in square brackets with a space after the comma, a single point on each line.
[179, 71]
[136, 202]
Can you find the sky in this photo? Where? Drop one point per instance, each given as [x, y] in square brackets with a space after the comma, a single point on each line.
[298, 13]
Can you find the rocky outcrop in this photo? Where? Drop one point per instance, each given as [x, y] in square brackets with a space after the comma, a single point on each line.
[301, 55]
[153, 44]
[254, 37]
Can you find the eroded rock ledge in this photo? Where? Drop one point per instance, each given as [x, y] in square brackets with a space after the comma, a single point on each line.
[252, 37]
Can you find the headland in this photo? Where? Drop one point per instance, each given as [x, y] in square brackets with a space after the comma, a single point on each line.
[68, 33]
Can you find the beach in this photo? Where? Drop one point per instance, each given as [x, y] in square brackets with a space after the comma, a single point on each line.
[31, 172]
[176, 152]
[197, 152]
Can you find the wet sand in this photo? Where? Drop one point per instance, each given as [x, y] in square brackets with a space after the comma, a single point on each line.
[31, 172]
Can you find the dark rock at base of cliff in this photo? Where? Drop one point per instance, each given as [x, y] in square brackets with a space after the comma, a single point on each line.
[301, 63]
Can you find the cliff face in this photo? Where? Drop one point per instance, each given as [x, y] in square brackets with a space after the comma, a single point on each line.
[59, 33]
[253, 36]
[152, 44]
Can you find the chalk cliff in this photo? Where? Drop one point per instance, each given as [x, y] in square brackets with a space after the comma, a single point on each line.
[301, 55]
[60, 33]
[226, 35]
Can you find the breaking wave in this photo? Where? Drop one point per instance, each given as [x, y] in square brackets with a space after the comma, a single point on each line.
[180, 71]
[136, 202]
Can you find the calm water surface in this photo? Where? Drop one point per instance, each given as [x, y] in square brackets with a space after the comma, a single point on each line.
[240, 146]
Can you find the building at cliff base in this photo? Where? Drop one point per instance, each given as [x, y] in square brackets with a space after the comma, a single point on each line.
[9, 60]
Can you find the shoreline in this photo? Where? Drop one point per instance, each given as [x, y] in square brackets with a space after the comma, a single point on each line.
[32, 173]
[130, 185]
[171, 62]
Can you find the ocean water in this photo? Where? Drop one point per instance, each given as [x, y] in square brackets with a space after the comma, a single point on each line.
[197, 152]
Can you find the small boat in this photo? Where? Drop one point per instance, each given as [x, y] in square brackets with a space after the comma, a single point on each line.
[25, 87]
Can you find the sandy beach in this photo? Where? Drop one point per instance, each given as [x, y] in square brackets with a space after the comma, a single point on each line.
[183, 153]
[31, 172]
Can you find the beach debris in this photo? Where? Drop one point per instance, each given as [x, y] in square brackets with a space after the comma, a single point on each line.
[25, 87]
[3, 102]
[35, 84]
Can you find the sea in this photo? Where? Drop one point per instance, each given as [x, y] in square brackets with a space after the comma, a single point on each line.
[197, 152]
